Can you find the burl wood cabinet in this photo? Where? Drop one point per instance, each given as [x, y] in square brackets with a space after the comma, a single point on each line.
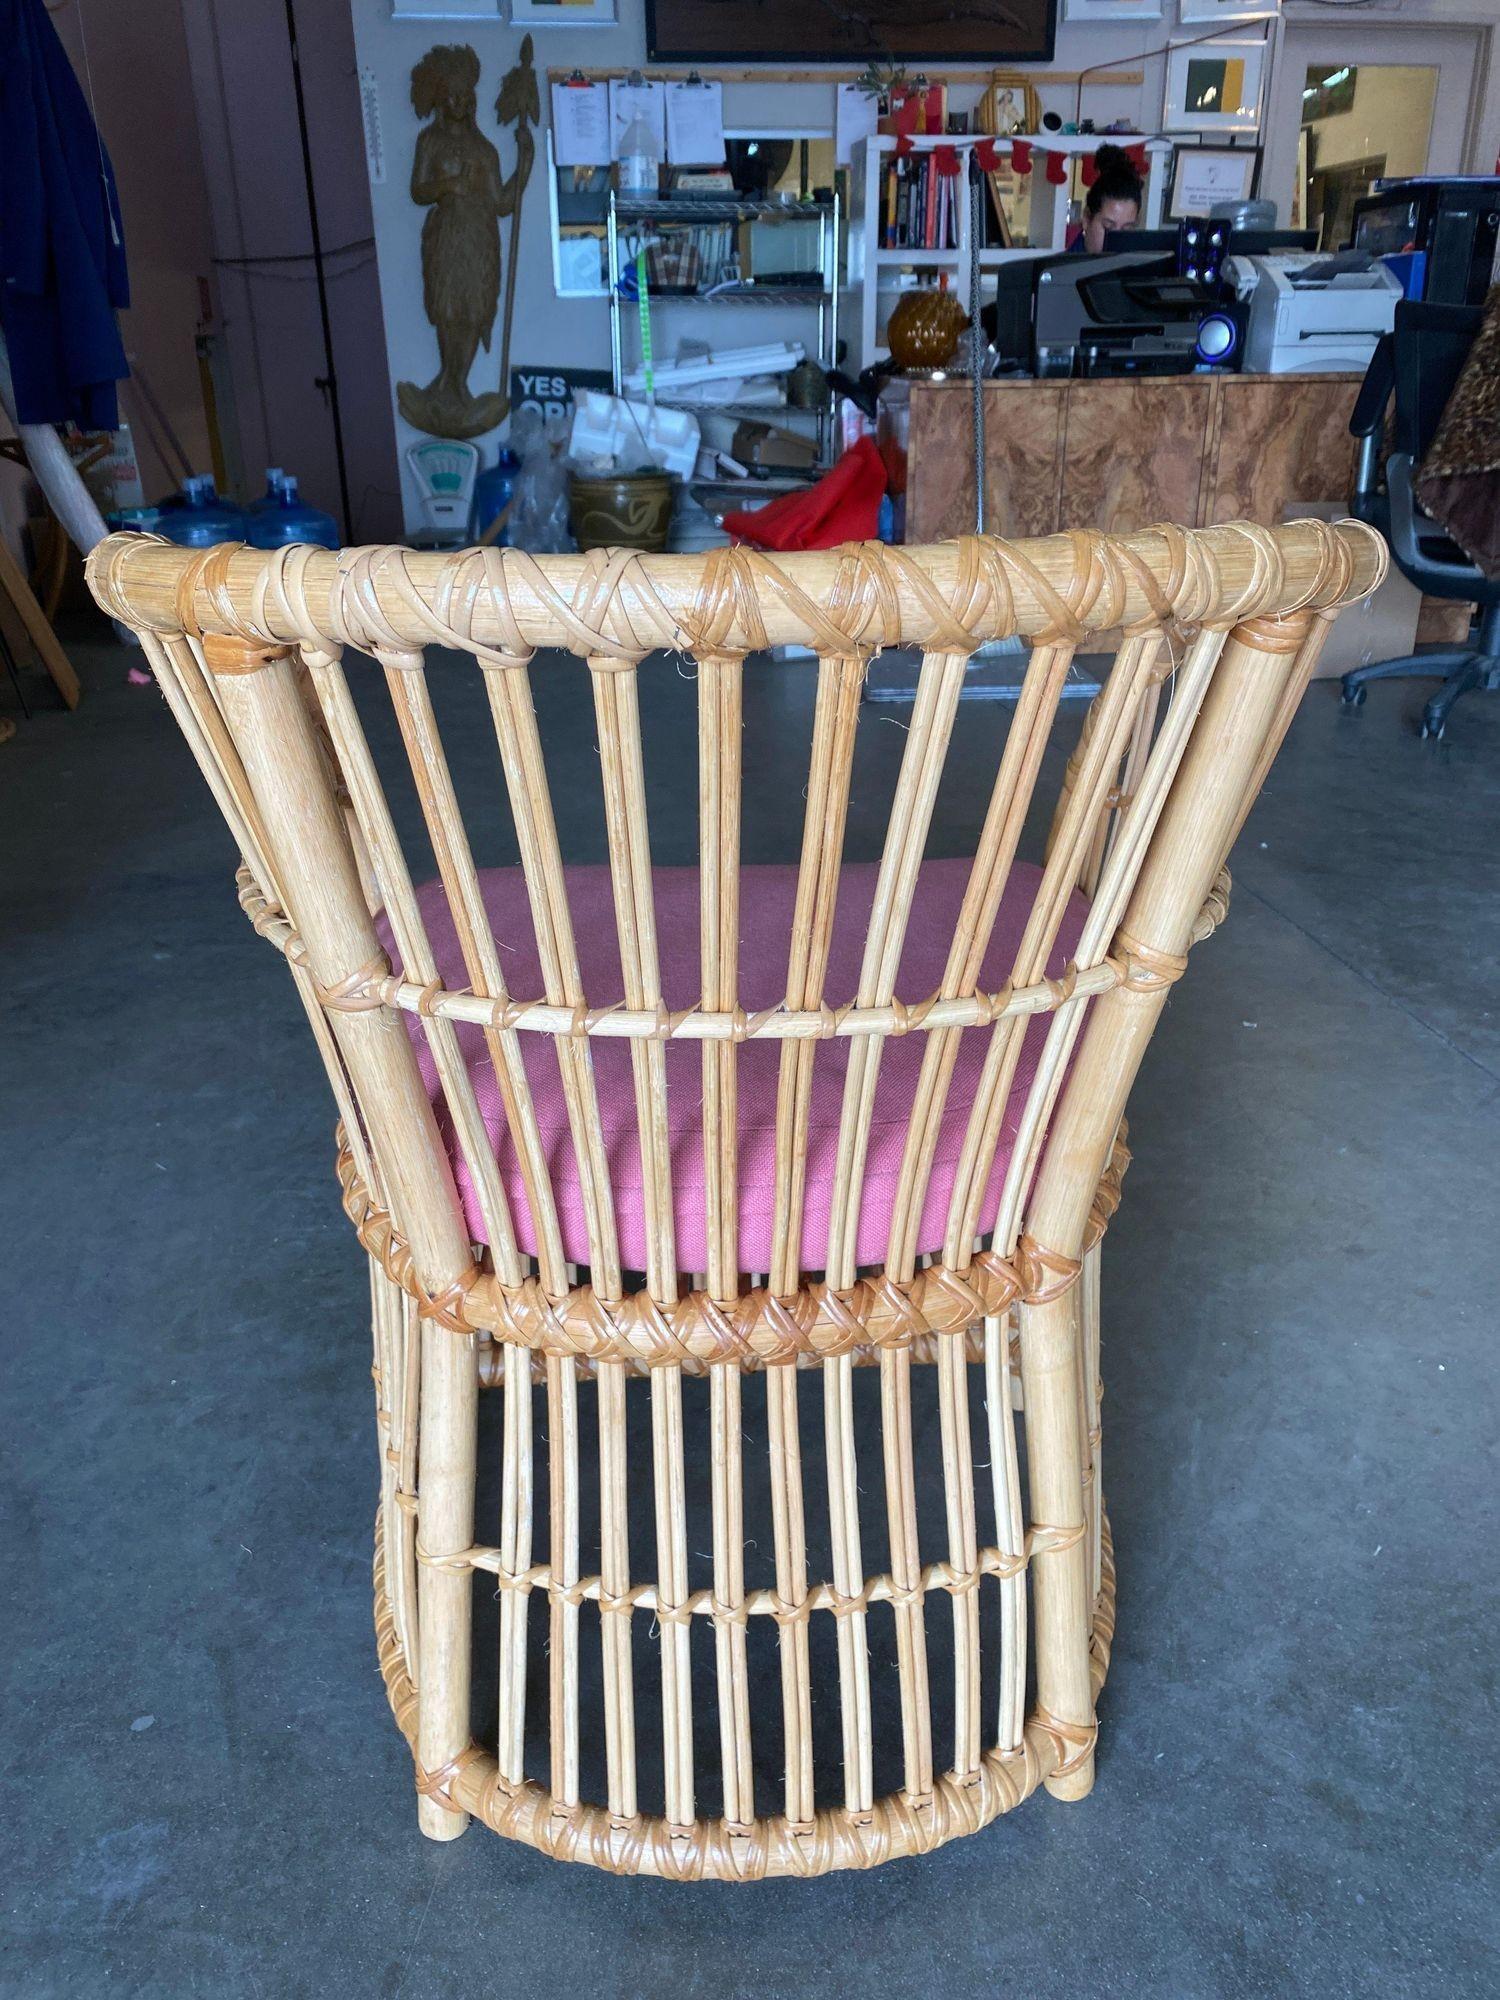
[1119, 454]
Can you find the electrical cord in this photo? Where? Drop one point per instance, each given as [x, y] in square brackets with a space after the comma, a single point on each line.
[297, 256]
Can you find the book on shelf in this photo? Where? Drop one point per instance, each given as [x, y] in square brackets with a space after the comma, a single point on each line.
[917, 206]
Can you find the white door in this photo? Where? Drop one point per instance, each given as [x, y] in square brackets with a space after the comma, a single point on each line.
[1360, 100]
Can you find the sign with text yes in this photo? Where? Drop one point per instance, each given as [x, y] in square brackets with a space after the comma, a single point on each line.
[549, 391]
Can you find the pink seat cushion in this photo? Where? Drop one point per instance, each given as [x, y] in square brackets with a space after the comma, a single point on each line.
[768, 895]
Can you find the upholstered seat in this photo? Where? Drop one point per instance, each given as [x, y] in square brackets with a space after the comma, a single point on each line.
[768, 895]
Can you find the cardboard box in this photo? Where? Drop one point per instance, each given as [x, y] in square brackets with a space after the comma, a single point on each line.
[767, 447]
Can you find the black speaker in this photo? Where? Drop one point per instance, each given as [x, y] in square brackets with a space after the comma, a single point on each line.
[1200, 248]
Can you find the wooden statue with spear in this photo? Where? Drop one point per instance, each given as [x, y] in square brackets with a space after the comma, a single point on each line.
[456, 178]
[518, 104]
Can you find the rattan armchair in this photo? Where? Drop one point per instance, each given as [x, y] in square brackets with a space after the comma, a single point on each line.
[667, 1156]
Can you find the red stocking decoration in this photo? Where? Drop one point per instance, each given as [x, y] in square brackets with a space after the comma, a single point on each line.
[1137, 158]
[904, 146]
[1057, 168]
[1089, 167]
[988, 156]
[945, 159]
[1020, 155]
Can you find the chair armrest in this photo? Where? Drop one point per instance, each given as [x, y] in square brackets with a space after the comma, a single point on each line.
[1445, 579]
[1368, 421]
[1375, 390]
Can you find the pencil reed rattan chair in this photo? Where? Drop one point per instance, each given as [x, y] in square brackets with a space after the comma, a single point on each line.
[840, 1173]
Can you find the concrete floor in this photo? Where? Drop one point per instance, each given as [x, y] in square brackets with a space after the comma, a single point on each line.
[203, 1790]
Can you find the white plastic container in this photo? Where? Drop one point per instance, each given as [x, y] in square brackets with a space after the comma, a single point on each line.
[775, 358]
[631, 433]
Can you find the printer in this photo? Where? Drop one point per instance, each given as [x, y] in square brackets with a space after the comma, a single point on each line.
[1313, 313]
[1129, 313]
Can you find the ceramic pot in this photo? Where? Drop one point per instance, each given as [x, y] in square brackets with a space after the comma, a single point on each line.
[621, 510]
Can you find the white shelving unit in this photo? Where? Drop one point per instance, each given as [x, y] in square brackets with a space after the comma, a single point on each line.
[874, 275]
[818, 303]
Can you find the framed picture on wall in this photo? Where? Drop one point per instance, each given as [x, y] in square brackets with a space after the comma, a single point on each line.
[931, 31]
[445, 10]
[1201, 176]
[1214, 87]
[1112, 10]
[562, 13]
[1233, 13]
[1099, 11]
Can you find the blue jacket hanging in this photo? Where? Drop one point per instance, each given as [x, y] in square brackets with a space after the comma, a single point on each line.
[62, 250]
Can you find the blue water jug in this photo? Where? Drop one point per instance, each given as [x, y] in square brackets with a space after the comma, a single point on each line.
[271, 496]
[492, 495]
[203, 518]
[285, 518]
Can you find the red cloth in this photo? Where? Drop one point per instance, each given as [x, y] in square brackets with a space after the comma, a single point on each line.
[945, 159]
[1090, 169]
[1020, 156]
[1057, 168]
[988, 156]
[844, 506]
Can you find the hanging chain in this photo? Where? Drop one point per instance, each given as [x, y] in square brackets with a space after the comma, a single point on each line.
[976, 386]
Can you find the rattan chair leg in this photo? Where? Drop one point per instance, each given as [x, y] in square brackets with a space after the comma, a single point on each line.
[1049, 1384]
[309, 839]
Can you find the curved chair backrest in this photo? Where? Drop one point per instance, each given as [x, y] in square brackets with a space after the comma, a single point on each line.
[254, 654]
[1140, 824]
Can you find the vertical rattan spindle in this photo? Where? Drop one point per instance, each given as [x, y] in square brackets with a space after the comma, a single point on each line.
[516, 1490]
[622, 769]
[835, 721]
[288, 773]
[562, 1546]
[1010, 1533]
[938, 688]
[720, 722]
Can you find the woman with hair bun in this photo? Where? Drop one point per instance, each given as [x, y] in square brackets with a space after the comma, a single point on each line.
[1112, 203]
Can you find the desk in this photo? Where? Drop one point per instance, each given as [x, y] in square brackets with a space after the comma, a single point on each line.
[1120, 452]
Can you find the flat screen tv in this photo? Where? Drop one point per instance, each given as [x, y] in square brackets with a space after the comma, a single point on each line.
[798, 31]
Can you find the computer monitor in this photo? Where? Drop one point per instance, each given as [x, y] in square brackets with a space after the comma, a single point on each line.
[1137, 240]
[1006, 318]
[1242, 242]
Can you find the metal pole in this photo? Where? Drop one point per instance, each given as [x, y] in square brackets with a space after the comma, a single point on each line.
[330, 381]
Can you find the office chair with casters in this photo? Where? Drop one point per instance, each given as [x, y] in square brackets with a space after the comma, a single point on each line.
[1420, 362]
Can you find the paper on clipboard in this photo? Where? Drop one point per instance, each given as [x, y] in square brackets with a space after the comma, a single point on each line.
[628, 101]
[856, 117]
[580, 125]
[695, 124]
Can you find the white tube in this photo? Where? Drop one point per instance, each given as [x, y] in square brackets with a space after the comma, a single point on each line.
[55, 471]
